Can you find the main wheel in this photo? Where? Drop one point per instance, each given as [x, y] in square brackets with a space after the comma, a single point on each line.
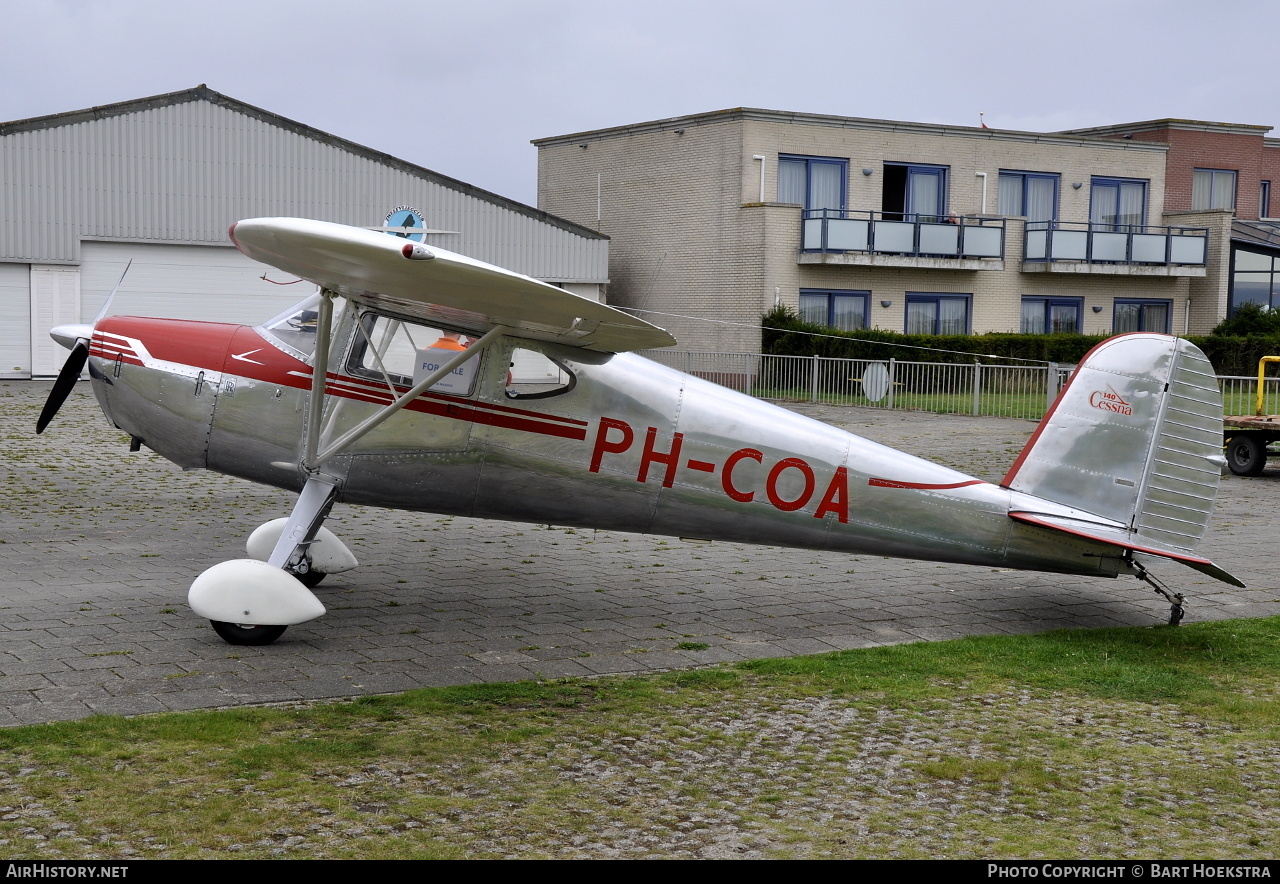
[312, 578]
[237, 634]
[1246, 455]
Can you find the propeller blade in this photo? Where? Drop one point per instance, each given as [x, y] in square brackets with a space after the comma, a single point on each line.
[71, 369]
[63, 386]
[111, 297]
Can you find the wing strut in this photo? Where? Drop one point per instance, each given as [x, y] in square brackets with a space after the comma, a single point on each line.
[320, 491]
[313, 458]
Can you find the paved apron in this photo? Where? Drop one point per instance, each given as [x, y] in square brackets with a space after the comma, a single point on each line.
[98, 547]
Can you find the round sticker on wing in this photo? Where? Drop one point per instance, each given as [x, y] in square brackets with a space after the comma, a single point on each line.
[402, 221]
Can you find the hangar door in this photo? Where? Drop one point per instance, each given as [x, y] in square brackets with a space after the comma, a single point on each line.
[55, 300]
[208, 283]
[15, 320]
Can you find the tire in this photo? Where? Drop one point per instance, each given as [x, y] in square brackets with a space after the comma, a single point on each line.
[1246, 454]
[235, 634]
[312, 578]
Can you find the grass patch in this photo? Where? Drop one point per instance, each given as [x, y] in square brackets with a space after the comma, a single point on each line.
[1086, 743]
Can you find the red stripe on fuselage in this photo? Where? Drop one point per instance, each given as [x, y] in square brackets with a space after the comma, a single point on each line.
[198, 344]
[114, 352]
[214, 347]
[923, 486]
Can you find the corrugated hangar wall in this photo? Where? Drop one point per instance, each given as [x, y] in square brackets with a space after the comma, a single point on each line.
[160, 180]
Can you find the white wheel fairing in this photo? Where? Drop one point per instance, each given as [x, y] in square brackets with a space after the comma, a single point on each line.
[252, 593]
[328, 553]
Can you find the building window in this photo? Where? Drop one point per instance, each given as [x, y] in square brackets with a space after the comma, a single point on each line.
[937, 314]
[1118, 203]
[1053, 316]
[1264, 200]
[914, 193]
[1141, 315]
[1255, 279]
[1212, 189]
[1033, 195]
[846, 311]
[813, 182]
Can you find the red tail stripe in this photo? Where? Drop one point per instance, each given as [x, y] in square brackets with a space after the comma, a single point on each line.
[924, 486]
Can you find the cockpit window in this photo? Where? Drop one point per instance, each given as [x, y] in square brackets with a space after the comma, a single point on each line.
[404, 353]
[295, 329]
[533, 375]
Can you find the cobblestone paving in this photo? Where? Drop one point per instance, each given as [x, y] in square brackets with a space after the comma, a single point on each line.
[98, 547]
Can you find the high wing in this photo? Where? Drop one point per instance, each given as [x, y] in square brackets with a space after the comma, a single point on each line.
[439, 286]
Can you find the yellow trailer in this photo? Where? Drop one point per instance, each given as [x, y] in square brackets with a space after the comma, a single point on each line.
[1245, 437]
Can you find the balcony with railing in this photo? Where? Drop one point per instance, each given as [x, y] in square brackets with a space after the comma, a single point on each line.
[1125, 249]
[895, 239]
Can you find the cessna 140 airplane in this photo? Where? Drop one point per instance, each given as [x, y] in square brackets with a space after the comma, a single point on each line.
[365, 394]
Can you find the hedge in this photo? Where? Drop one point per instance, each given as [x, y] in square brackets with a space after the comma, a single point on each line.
[785, 334]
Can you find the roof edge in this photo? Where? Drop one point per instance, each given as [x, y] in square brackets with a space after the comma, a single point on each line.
[204, 93]
[738, 114]
[1171, 123]
[1257, 233]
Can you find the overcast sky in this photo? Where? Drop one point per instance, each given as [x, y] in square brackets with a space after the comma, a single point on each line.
[462, 87]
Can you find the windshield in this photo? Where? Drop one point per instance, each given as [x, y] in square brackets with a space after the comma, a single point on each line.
[295, 329]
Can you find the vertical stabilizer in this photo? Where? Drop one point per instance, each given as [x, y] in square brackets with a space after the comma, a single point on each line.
[1135, 438]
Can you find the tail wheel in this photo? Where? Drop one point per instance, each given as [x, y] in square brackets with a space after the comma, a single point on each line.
[244, 634]
[1246, 455]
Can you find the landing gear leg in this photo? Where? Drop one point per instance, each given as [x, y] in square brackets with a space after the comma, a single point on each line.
[1176, 599]
[308, 514]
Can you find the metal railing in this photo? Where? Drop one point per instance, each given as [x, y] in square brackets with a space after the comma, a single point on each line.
[1082, 241]
[1240, 395]
[924, 236]
[1017, 391]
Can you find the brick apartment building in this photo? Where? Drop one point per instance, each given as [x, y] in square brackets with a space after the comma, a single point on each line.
[715, 218]
[1209, 165]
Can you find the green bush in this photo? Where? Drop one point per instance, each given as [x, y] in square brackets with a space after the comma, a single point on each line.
[1250, 320]
[1238, 355]
[785, 334]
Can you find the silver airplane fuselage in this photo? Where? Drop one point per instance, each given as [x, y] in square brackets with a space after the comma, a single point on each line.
[624, 444]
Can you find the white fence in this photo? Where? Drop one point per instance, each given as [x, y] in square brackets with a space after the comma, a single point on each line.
[1018, 391]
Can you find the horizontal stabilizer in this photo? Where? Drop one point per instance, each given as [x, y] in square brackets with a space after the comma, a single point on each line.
[1118, 536]
[439, 286]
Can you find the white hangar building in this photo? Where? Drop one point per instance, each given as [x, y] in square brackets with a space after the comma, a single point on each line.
[159, 180]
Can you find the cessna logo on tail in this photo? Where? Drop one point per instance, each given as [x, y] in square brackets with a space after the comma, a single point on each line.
[1109, 401]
